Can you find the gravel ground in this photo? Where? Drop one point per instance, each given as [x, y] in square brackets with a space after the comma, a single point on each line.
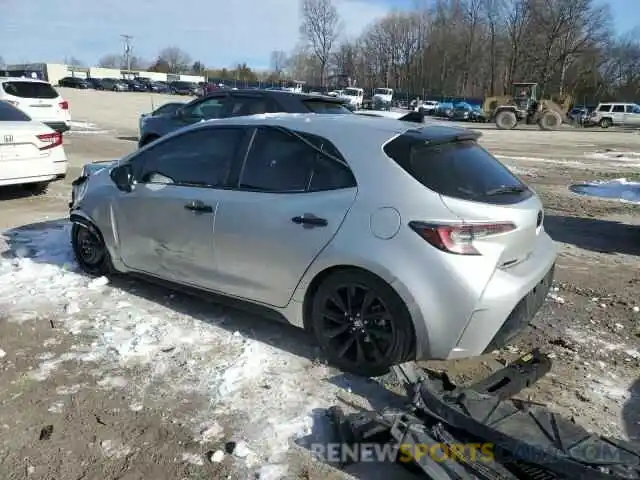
[93, 389]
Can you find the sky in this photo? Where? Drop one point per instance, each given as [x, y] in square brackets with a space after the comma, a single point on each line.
[219, 33]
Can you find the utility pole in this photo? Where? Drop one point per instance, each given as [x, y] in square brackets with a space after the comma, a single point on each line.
[127, 51]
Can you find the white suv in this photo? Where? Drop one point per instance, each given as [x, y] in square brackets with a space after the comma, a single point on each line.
[38, 99]
[623, 114]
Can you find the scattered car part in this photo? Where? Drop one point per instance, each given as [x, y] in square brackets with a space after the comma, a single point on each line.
[527, 441]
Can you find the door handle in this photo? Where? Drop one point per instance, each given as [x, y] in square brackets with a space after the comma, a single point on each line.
[199, 207]
[310, 221]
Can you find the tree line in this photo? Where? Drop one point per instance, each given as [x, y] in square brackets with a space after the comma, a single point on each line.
[475, 48]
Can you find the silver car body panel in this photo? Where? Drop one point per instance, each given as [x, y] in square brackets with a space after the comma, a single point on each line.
[250, 249]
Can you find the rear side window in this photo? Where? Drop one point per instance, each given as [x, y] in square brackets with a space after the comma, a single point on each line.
[9, 113]
[319, 106]
[618, 108]
[460, 169]
[29, 89]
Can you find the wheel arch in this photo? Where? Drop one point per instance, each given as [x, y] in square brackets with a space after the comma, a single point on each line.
[420, 335]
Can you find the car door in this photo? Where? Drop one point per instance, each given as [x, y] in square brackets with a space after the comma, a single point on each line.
[633, 115]
[165, 224]
[289, 202]
[617, 114]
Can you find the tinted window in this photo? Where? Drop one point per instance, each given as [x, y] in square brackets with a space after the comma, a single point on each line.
[279, 162]
[209, 108]
[240, 106]
[319, 106]
[604, 108]
[618, 109]
[29, 89]
[458, 169]
[167, 108]
[200, 158]
[9, 113]
[635, 109]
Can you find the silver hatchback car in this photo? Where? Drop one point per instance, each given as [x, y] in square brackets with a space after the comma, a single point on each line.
[390, 241]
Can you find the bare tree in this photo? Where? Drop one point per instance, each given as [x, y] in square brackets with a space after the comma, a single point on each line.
[278, 61]
[74, 62]
[110, 61]
[320, 29]
[176, 59]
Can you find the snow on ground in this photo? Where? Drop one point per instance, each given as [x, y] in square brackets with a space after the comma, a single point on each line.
[118, 331]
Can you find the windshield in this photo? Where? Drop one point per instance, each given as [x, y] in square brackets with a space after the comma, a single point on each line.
[635, 109]
[382, 91]
[352, 92]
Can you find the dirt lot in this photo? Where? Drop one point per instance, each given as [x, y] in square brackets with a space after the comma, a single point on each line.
[124, 380]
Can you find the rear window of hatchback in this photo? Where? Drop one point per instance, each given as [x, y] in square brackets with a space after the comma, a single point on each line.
[24, 89]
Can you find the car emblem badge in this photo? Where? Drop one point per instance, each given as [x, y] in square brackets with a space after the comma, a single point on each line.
[8, 139]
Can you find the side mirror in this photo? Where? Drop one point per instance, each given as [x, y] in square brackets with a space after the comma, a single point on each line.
[122, 176]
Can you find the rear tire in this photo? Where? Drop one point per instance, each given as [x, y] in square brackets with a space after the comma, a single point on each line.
[550, 121]
[605, 123]
[361, 323]
[506, 120]
[90, 251]
[37, 189]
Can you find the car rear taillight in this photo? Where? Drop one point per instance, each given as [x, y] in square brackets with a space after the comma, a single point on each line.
[50, 139]
[459, 238]
[64, 105]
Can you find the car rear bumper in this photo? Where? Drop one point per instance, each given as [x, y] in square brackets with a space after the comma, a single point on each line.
[15, 173]
[510, 301]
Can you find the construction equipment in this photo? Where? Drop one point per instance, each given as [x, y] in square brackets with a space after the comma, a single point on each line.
[479, 433]
[524, 106]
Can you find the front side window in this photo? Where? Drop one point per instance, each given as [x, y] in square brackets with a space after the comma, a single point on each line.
[210, 108]
[197, 158]
[279, 162]
[604, 108]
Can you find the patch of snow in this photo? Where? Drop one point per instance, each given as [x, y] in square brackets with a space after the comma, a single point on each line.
[218, 456]
[70, 390]
[616, 155]
[2, 353]
[272, 391]
[192, 458]
[56, 407]
[112, 450]
[618, 189]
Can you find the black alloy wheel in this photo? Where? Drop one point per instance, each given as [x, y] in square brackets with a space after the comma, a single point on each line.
[361, 323]
[90, 251]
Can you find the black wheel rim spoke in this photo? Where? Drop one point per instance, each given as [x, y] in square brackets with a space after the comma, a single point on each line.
[357, 325]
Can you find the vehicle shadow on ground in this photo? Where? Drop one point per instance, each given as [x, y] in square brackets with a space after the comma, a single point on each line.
[631, 413]
[128, 138]
[14, 192]
[602, 236]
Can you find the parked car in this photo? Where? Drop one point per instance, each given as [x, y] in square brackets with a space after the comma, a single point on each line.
[114, 85]
[428, 107]
[329, 221]
[31, 153]
[95, 83]
[233, 103]
[154, 86]
[184, 88]
[38, 99]
[73, 82]
[623, 114]
[444, 110]
[135, 86]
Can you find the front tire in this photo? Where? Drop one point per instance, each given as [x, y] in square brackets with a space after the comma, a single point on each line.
[506, 120]
[361, 324]
[90, 250]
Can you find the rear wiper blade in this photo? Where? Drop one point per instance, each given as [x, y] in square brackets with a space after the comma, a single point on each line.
[503, 190]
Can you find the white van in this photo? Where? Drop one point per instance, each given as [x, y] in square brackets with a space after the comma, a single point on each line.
[353, 96]
[38, 99]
